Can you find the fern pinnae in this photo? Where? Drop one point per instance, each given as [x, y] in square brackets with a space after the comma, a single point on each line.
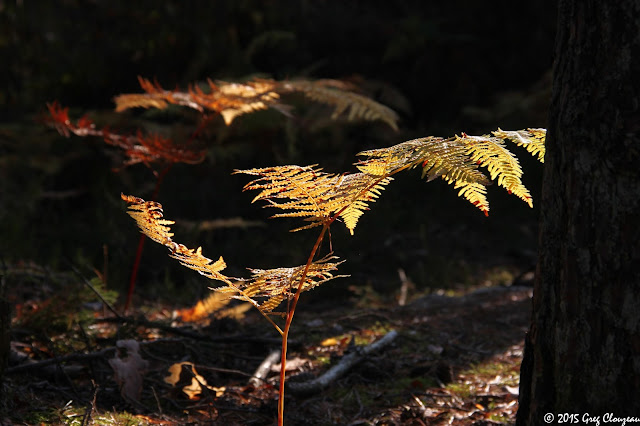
[491, 153]
[276, 285]
[149, 217]
[339, 95]
[533, 140]
[306, 188]
[354, 192]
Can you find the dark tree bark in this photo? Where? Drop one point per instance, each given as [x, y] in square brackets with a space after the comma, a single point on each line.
[582, 353]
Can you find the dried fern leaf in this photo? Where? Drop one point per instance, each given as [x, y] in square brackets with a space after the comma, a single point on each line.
[533, 140]
[272, 286]
[234, 99]
[229, 99]
[438, 157]
[457, 159]
[314, 195]
[306, 190]
[154, 97]
[491, 153]
[355, 191]
[149, 217]
[193, 259]
[339, 95]
[138, 148]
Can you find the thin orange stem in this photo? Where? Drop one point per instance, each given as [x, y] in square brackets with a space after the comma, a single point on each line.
[287, 325]
[291, 308]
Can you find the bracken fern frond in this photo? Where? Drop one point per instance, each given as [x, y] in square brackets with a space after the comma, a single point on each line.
[231, 100]
[314, 195]
[272, 286]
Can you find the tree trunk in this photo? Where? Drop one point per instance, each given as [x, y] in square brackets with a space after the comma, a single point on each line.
[582, 353]
[5, 328]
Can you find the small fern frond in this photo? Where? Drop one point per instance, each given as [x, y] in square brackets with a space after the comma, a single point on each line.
[149, 217]
[231, 100]
[491, 153]
[457, 160]
[193, 259]
[438, 157]
[533, 140]
[315, 195]
[272, 286]
[340, 95]
[138, 148]
[306, 190]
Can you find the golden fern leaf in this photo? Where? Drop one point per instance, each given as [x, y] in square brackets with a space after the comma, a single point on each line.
[354, 191]
[154, 97]
[491, 153]
[229, 99]
[305, 188]
[271, 286]
[315, 195]
[456, 160]
[438, 157]
[339, 94]
[234, 99]
[149, 217]
[533, 140]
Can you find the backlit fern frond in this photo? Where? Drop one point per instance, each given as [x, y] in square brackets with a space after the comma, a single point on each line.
[491, 153]
[457, 160]
[234, 99]
[272, 286]
[533, 140]
[355, 191]
[149, 217]
[438, 157]
[339, 95]
[228, 99]
[314, 195]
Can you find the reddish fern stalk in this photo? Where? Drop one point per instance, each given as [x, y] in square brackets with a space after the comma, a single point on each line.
[138, 147]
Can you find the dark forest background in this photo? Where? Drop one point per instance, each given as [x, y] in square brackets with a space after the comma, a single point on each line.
[444, 66]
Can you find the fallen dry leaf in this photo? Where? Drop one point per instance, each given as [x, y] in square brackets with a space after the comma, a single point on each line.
[128, 371]
[184, 374]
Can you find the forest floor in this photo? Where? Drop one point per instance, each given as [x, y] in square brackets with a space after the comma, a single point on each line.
[455, 360]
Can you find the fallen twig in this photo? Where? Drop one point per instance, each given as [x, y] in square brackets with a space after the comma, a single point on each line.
[264, 368]
[335, 372]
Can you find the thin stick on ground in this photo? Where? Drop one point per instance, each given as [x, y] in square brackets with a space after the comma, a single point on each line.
[338, 370]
